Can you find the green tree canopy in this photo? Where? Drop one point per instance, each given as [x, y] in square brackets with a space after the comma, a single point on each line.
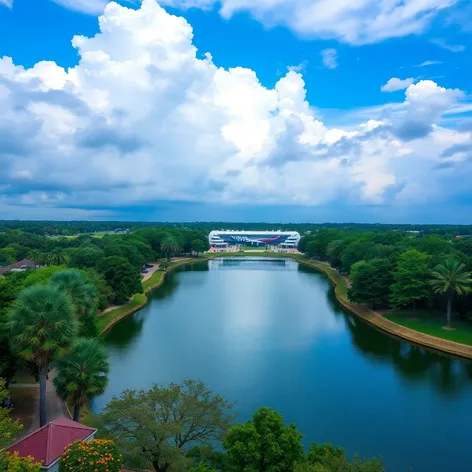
[86, 257]
[411, 279]
[121, 276]
[198, 246]
[82, 373]
[83, 296]
[263, 444]
[371, 281]
[42, 327]
[153, 427]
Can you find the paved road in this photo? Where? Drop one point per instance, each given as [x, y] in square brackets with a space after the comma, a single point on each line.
[25, 399]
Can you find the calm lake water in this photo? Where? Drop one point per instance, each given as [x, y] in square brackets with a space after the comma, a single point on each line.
[270, 332]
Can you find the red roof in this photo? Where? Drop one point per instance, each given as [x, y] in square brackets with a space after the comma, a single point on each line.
[47, 444]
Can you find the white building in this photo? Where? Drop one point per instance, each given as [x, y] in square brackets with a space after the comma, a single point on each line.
[226, 238]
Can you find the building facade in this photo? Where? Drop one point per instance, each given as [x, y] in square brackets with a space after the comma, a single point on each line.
[226, 238]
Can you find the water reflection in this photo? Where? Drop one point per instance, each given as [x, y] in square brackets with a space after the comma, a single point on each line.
[414, 363]
[130, 329]
[248, 263]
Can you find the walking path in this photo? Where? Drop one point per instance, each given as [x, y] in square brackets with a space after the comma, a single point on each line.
[376, 319]
[25, 399]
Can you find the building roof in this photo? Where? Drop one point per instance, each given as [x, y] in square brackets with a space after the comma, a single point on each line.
[47, 444]
[17, 265]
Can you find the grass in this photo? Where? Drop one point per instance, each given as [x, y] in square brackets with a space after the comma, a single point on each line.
[154, 280]
[138, 300]
[432, 324]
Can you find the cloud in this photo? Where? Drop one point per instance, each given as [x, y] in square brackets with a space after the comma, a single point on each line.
[330, 58]
[141, 120]
[395, 84]
[91, 7]
[354, 22]
[7, 3]
[450, 47]
[429, 63]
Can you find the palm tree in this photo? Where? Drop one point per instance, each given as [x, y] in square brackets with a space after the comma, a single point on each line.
[44, 258]
[58, 257]
[82, 373]
[169, 246]
[35, 256]
[451, 278]
[42, 326]
[83, 296]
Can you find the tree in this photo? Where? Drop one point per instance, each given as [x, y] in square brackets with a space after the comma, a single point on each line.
[263, 444]
[83, 296]
[153, 427]
[98, 455]
[198, 246]
[164, 265]
[82, 373]
[15, 463]
[104, 291]
[328, 458]
[42, 327]
[411, 279]
[451, 278]
[121, 276]
[9, 429]
[58, 257]
[370, 281]
[169, 247]
[86, 257]
[35, 256]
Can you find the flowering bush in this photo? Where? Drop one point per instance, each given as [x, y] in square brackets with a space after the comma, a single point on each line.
[98, 455]
[15, 463]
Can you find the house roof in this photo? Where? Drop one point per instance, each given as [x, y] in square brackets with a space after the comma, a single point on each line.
[17, 265]
[47, 444]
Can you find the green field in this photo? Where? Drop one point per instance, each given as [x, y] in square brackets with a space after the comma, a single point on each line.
[427, 323]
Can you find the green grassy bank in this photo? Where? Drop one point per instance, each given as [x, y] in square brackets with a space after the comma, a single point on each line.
[433, 325]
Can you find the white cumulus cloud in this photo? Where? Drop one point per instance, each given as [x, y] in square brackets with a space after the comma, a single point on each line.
[142, 119]
[395, 84]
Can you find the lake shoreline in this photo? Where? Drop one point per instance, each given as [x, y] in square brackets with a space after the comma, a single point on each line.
[371, 317]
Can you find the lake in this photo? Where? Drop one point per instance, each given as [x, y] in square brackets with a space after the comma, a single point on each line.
[270, 332]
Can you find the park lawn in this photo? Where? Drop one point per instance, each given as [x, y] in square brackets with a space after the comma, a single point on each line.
[154, 280]
[138, 300]
[432, 324]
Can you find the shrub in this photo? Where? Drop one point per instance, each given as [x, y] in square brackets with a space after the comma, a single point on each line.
[99, 455]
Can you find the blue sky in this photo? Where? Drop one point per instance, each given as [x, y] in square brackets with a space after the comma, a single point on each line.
[306, 110]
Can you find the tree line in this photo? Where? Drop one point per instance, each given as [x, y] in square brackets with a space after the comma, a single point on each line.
[399, 270]
[94, 272]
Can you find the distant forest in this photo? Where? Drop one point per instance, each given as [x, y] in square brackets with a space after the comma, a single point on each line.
[70, 228]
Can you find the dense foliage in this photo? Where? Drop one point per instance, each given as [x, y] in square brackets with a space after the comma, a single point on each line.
[400, 269]
[98, 455]
[82, 373]
[154, 427]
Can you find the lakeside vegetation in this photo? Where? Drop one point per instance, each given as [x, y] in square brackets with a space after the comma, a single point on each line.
[419, 280]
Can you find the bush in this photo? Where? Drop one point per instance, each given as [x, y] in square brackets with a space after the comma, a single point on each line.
[99, 455]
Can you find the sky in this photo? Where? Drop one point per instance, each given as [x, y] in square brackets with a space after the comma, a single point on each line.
[236, 110]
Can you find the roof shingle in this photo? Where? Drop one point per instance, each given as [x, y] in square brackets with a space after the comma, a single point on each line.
[49, 442]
